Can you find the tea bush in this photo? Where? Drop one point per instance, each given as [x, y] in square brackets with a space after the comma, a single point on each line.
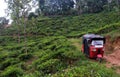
[71, 26]
[50, 66]
[8, 62]
[12, 71]
[25, 56]
[91, 70]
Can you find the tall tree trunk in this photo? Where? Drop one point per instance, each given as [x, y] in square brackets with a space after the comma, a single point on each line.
[79, 7]
[18, 31]
[25, 36]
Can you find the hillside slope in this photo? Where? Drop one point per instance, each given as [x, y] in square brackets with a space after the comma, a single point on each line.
[52, 50]
[71, 26]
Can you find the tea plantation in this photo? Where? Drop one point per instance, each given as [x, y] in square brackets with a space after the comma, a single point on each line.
[70, 26]
[49, 52]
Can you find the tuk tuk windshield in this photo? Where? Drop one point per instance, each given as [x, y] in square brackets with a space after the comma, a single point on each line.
[97, 42]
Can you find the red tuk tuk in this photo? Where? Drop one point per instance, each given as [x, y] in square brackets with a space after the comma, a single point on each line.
[93, 46]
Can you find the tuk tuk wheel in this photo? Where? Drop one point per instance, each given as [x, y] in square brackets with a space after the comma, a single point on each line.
[99, 60]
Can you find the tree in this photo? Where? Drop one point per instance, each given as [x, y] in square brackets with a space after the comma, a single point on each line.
[67, 5]
[55, 7]
[42, 5]
[79, 5]
[32, 15]
[90, 6]
[3, 23]
[115, 5]
[112, 5]
[19, 10]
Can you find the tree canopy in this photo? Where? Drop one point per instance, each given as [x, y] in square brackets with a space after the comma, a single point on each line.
[3, 21]
[66, 7]
[56, 7]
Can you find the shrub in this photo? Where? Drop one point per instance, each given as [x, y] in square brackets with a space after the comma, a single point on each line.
[12, 71]
[43, 58]
[3, 57]
[13, 54]
[50, 66]
[34, 74]
[26, 49]
[25, 56]
[16, 47]
[91, 70]
[8, 62]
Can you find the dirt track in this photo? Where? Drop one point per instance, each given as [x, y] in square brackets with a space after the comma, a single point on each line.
[112, 54]
[113, 58]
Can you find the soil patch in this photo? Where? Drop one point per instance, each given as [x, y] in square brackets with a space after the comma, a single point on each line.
[112, 54]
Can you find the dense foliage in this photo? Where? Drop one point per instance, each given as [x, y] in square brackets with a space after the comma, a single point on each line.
[3, 23]
[73, 7]
[90, 6]
[49, 52]
[56, 7]
[47, 57]
[72, 26]
[47, 45]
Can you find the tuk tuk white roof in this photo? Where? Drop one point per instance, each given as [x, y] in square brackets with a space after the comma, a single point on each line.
[87, 36]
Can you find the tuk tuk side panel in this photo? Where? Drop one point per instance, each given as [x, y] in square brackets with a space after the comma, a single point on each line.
[86, 47]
